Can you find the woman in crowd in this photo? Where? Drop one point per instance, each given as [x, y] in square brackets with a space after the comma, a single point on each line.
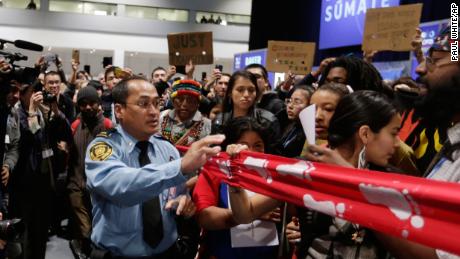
[240, 100]
[363, 131]
[326, 99]
[213, 211]
[293, 137]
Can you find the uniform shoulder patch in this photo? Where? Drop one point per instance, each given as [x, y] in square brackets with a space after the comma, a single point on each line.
[106, 133]
[100, 151]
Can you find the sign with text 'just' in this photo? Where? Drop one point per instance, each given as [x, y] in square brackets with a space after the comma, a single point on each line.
[195, 46]
[342, 21]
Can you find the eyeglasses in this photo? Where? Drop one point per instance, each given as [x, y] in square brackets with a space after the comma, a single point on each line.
[295, 102]
[145, 105]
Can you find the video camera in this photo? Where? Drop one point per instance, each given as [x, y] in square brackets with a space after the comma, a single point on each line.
[20, 74]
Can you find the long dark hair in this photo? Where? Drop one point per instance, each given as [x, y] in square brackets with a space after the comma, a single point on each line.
[228, 103]
[236, 127]
[357, 109]
[361, 75]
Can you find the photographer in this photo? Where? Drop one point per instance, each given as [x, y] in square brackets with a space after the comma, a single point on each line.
[53, 92]
[11, 143]
[11, 154]
[45, 133]
[53, 87]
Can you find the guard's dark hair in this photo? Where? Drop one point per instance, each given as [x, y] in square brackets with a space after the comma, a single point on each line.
[357, 109]
[235, 128]
[361, 75]
[228, 103]
[120, 92]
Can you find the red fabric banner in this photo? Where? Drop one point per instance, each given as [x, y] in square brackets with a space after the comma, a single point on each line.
[422, 210]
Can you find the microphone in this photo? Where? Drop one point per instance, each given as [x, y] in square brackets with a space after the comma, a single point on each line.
[22, 44]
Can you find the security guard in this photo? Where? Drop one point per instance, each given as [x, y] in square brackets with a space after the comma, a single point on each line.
[135, 177]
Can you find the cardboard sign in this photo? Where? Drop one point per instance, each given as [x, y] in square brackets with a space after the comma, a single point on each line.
[196, 46]
[391, 28]
[297, 57]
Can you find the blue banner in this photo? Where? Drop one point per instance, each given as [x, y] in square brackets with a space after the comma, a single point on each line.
[241, 60]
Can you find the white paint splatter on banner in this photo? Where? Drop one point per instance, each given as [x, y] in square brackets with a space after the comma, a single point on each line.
[224, 166]
[260, 166]
[389, 197]
[327, 207]
[398, 202]
[301, 170]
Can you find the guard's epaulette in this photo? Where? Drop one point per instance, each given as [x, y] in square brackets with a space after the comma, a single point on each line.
[106, 133]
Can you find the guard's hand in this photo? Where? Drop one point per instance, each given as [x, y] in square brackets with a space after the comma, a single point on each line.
[326, 155]
[183, 204]
[199, 153]
[5, 174]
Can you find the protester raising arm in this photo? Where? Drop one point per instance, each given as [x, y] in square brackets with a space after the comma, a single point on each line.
[417, 45]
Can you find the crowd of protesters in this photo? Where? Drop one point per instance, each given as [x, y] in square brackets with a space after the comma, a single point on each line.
[101, 153]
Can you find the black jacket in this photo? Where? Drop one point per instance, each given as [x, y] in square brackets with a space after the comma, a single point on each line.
[292, 141]
[271, 102]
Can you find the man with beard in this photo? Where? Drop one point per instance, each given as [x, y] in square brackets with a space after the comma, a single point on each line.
[439, 108]
[85, 128]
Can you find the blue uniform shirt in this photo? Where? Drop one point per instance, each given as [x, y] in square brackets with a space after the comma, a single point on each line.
[118, 187]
